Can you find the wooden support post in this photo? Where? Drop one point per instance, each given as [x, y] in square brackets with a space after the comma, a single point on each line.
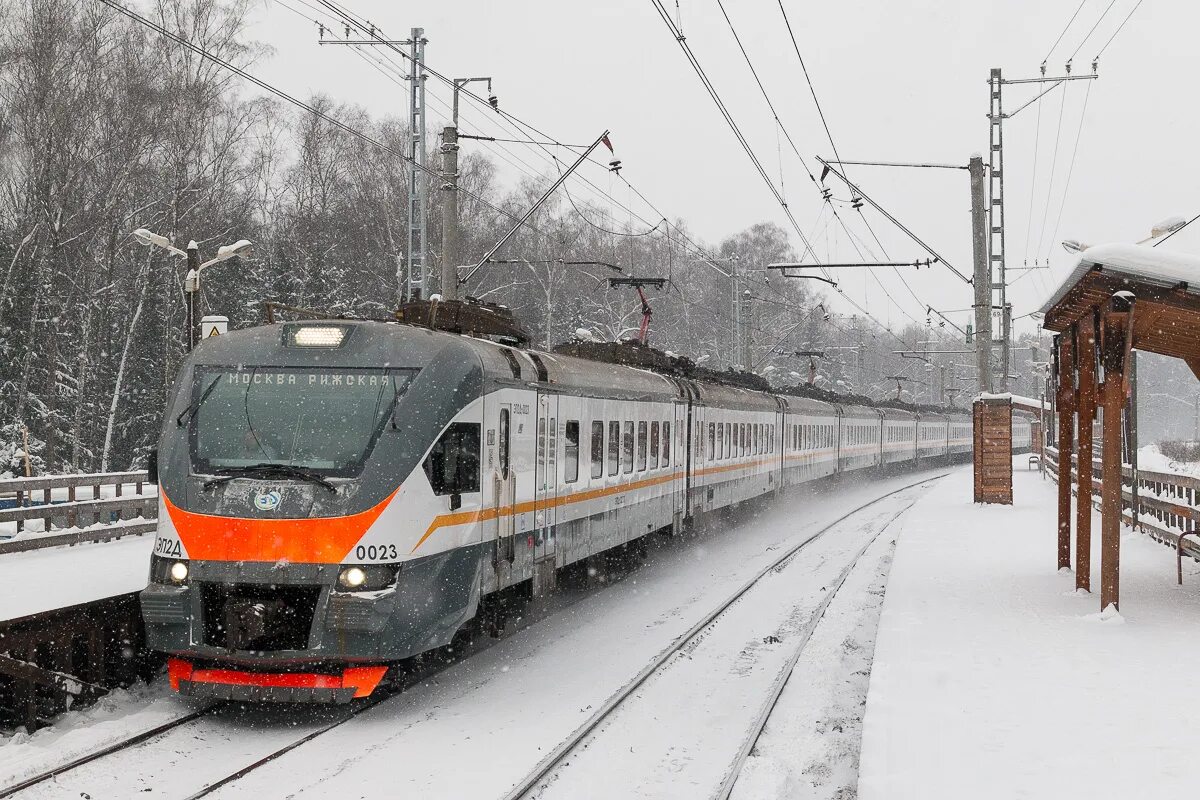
[1066, 441]
[1086, 341]
[1114, 349]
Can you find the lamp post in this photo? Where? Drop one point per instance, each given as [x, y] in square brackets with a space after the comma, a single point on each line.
[191, 283]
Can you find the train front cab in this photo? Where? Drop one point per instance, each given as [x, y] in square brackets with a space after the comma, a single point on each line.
[284, 565]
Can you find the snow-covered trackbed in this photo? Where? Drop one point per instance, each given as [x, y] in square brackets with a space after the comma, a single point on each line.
[705, 635]
[726, 672]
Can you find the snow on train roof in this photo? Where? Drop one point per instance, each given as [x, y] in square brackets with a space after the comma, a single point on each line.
[1140, 262]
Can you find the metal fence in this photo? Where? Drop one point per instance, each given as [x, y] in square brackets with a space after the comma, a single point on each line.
[75, 508]
[1162, 504]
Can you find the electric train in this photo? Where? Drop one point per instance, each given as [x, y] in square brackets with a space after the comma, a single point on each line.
[336, 496]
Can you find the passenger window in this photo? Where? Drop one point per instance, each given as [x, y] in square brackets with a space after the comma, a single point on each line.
[503, 455]
[653, 445]
[729, 440]
[571, 452]
[541, 449]
[720, 440]
[627, 447]
[614, 448]
[666, 445]
[641, 446]
[597, 449]
[452, 466]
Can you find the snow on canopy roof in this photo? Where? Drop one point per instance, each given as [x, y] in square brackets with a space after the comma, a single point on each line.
[1140, 262]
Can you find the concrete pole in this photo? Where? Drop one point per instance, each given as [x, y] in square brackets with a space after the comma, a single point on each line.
[981, 278]
[746, 316]
[449, 272]
[734, 295]
[191, 287]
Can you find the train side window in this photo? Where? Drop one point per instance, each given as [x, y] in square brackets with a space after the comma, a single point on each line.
[729, 440]
[614, 448]
[597, 449]
[654, 445]
[666, 445]
[756, 439]
[627, 447]
[712, 441]
[541, 449]
[771, 441]
[641, 446]
[452, 466]
[571, 452]
[720, 440]
[503, 455]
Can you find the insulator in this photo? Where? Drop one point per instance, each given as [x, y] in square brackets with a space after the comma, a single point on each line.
[494, 102]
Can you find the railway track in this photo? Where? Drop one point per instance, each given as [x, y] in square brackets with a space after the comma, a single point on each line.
[108, 750]
[545, 772]
[192, 726]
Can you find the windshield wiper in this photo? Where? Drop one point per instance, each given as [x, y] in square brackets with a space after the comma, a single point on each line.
[194, 407]
[267, 470]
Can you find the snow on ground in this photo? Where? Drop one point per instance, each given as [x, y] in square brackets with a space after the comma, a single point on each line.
[809, 747]
[58, 577]
[678, 735]
[113, 718]
[475, 729]
[1151, 458]
[993, 679]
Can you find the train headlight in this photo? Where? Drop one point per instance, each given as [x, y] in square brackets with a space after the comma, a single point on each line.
[171, 571]
[315, 335]
[367, 577]
[352, 577]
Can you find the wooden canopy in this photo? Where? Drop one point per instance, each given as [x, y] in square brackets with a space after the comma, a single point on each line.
[1120, 297]
[1166, 288]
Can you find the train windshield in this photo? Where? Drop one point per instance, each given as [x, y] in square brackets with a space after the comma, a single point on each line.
[325, 421]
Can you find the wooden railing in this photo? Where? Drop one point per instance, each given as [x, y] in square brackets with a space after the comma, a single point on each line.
[1167, 505]
[75, 509]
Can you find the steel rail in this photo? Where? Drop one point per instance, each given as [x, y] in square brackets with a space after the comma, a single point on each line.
[556, 756]
[116, 747]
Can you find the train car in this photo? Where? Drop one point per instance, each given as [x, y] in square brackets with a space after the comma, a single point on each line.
[933, 431]
[961, 436]
[899, 437]
[736, 448]
[858, 438]
[809, 428]
[336, 496]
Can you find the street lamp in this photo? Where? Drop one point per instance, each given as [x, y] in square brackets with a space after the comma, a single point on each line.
[191, 283]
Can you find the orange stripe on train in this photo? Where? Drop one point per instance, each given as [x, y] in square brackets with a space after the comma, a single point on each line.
[315, 540]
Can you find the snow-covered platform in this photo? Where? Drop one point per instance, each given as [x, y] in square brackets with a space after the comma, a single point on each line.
[59, 577]
[993, 679]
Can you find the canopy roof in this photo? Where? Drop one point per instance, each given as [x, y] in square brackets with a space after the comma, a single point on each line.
[1166, 313]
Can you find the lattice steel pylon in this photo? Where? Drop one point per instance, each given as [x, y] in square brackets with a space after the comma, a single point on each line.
[418, 183]
[996, 253]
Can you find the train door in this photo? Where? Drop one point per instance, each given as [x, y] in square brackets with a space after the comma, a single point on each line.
[545, 498]
[504, 496]
[680, 432]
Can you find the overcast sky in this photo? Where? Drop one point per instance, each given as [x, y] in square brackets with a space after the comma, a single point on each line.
[898, 81]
